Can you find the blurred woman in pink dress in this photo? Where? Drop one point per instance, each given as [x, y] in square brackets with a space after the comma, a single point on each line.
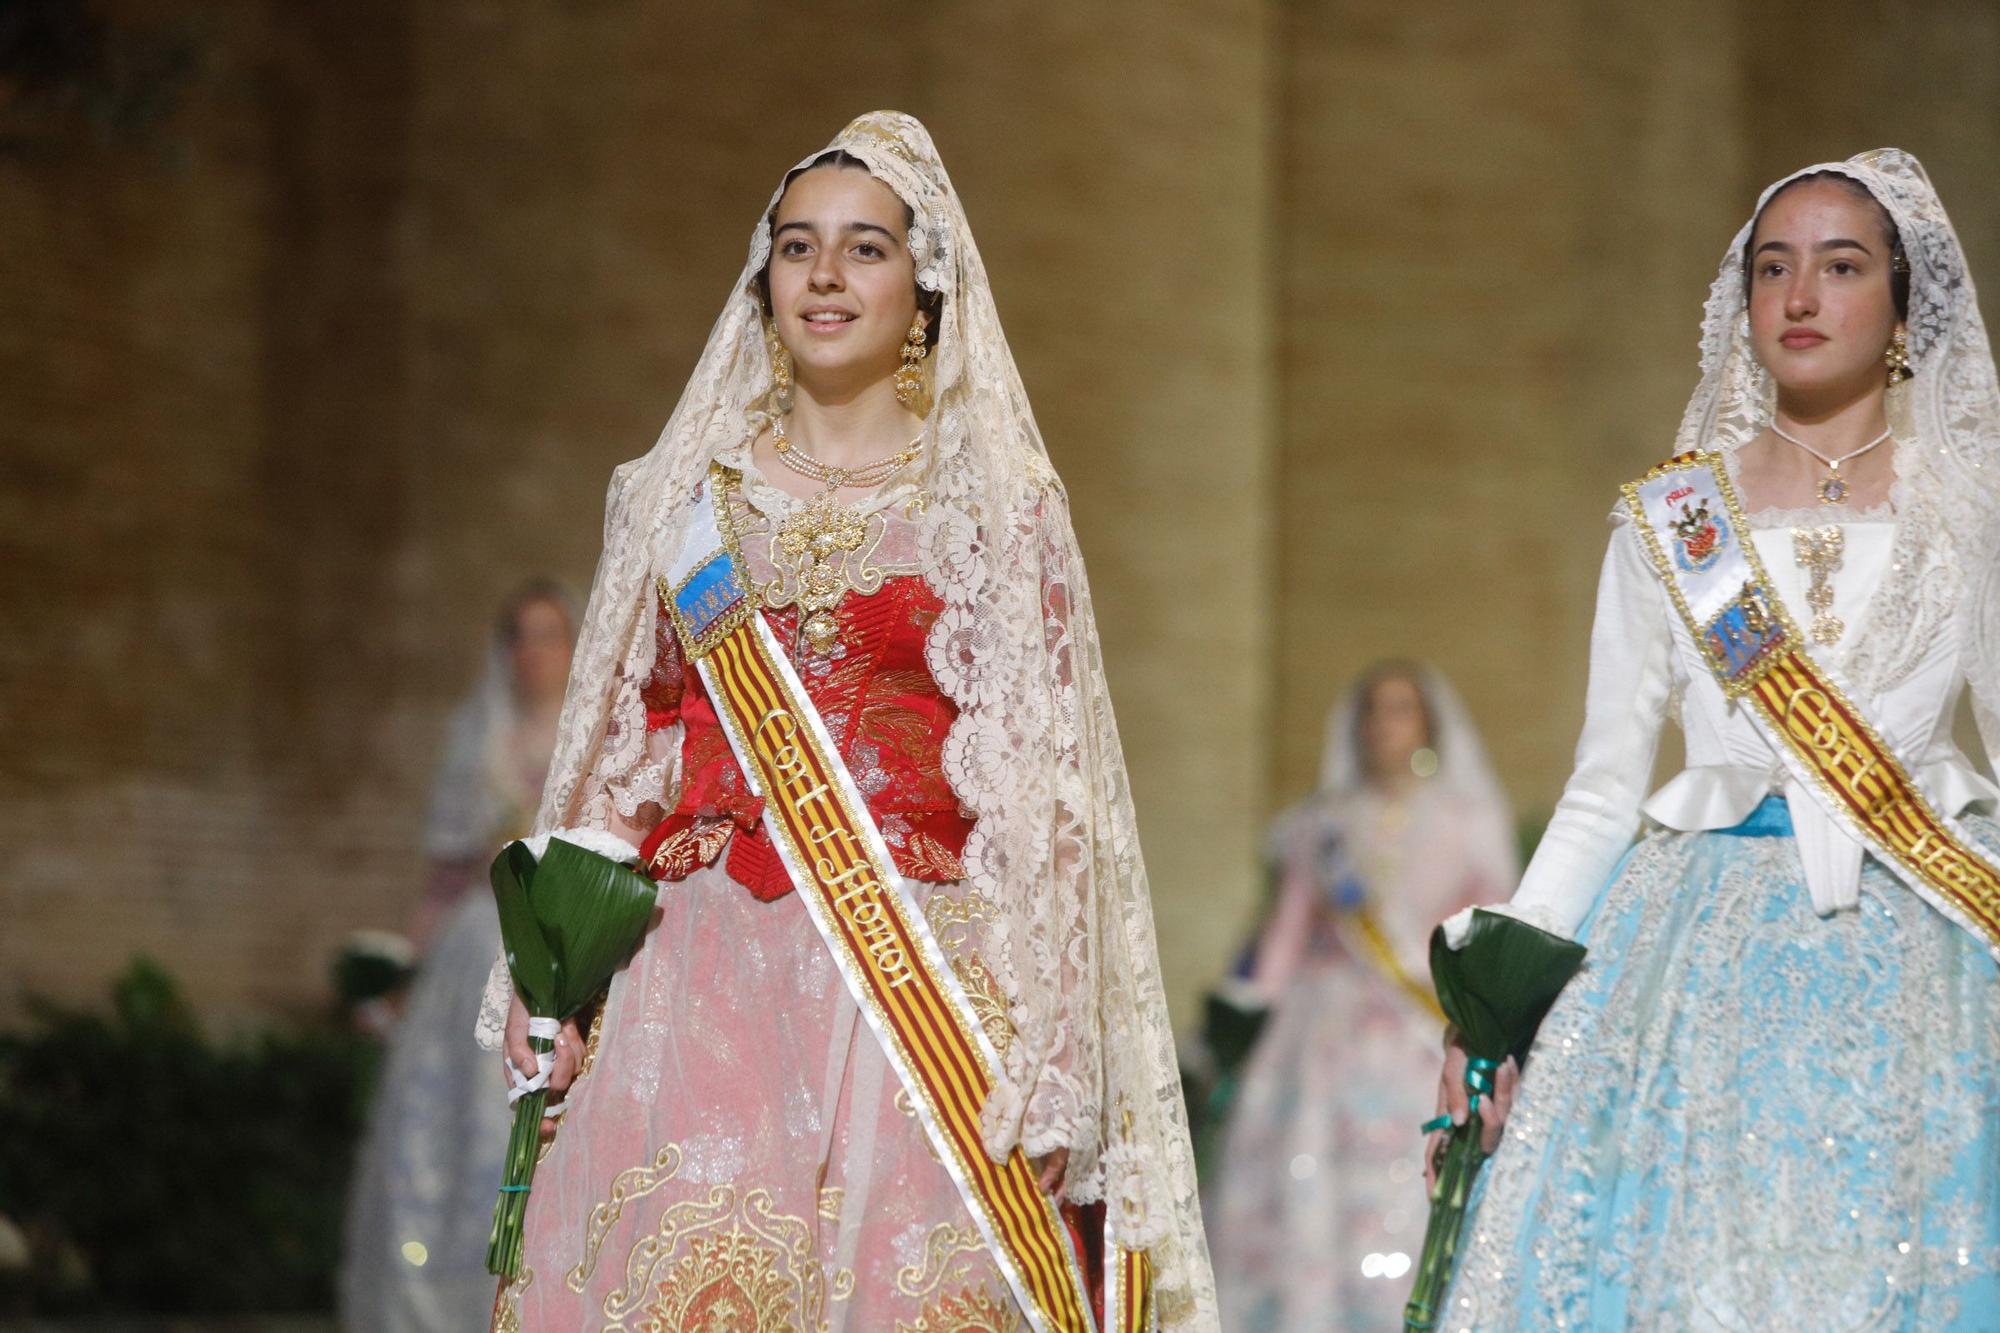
[1320, 1208]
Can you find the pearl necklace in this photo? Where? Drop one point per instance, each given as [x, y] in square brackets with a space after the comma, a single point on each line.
[795, 457]
[1834, 489]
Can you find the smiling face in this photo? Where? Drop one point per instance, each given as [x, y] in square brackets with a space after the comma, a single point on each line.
[843, 287]
[1822, 309]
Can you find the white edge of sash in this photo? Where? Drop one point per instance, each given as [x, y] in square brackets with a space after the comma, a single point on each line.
[1712, 589]
[926, 943]
[702, 541]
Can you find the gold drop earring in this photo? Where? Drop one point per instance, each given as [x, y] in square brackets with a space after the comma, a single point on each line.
[910, 375]
[1898, 358]
[781, 369]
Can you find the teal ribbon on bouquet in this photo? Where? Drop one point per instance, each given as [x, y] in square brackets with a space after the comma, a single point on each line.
[1478, 1081]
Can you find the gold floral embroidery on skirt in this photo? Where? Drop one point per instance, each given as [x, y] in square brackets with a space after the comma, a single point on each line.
[725, 1264]
[725, 1283]
[946, 1242]
[632, 1183]
[988, 1005]
[949, 914]
[952, 917]
[971, 1310]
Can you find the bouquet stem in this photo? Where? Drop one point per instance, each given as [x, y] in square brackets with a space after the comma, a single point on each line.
[1462, 1160]
[524, 1142]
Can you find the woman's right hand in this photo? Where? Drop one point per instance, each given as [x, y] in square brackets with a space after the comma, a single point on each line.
[567, 1055]
[1451, 1100]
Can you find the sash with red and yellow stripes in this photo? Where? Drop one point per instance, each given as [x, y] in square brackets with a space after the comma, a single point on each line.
[1692, 525]
[893, 965]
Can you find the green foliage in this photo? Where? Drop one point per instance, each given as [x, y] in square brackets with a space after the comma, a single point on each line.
[1496, 986]
[155, 1170]
[568, 923]
[594, 911]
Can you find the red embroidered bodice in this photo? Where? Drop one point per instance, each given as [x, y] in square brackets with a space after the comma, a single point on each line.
[881, 707]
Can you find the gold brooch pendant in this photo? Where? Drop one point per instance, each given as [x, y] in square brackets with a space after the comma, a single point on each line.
[814, 545]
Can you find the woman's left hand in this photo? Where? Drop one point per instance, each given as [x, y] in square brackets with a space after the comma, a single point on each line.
[1050, 1170]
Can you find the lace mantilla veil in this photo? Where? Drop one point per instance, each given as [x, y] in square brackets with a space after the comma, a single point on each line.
[1947, 423]
[1034, 753]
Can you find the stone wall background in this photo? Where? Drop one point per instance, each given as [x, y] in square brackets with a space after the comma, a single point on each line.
[1342, 322]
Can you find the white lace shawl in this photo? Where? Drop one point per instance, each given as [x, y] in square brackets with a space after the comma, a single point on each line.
[1034, 753]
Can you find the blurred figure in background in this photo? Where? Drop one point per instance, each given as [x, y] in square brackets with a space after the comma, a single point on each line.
[1319, 1212]
[422, 1202]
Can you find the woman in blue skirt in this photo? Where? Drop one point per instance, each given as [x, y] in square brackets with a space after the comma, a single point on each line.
[1771, 1099]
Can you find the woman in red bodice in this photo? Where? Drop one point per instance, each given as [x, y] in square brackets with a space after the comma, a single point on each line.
[742, 1144]
[887, 716]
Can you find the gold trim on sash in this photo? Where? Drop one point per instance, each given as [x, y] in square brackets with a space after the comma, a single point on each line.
[1380, 953]
[1757, 653]
[1128, 1291]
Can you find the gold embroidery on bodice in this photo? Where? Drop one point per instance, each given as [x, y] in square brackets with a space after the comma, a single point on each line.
[814, 553]
[811, 554]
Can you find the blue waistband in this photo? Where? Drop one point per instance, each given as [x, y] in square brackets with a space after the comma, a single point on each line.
[1771, 819]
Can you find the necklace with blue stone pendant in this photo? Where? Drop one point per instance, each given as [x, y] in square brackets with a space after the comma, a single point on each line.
[1834, 489]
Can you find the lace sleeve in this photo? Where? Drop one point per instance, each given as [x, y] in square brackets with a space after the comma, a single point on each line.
[641, 795]
[490, 1029]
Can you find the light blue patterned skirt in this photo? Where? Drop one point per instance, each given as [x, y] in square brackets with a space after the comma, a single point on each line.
[1743, 1115]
